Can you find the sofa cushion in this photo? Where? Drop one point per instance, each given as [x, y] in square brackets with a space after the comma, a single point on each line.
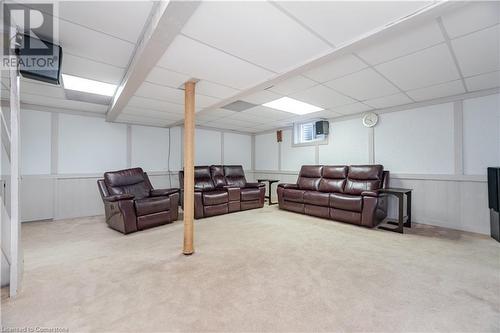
[152, 205]
[129, 181]
[293, 195]
[317, 198]
[248, 194]
[217, 173]
[309, 177]
[363, 178]
[235, 176]
[215, 198]
[333, 179]
[346, 202]
[203, 178]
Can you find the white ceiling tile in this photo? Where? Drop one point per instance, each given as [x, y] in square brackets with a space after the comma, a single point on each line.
[424, 68]
[363, 85]
[326, 114]
[141, 120]
[484, 81]
[268, 113]
[336, 68]
[341, 21]
[323, 97]
[90, 69]
[255, 31]
[155, 104]
[216, 90]
[352, 108]
[165, 77]
[247, 117]
[211, 115]
[36, 88]
[261, 97]
[163, 93]
[87, 43]
[123, 19]
[63, 103]
[151, 113]
[472, 17]
[228, 122]
[200, 61]
[292, 85]
[388, 101]
[441, 90]
[400, 43]
[479, 52]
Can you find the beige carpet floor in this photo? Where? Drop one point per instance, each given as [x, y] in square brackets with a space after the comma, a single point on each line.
[262, 271]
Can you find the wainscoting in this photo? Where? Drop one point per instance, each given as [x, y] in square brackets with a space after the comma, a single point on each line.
[456, 202]
[68, 196]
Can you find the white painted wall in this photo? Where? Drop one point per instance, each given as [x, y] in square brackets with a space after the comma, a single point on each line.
[35, 130]
[416, 141]
[342, 148]
[420, 147]
[208, 147]
[292, 158]
[266, 152]
[82, 148]
[90, 145]
[481, 134]
[238, 149]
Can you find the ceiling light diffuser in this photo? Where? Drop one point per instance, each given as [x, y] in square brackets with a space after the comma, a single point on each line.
[89, 86]
[291, 105]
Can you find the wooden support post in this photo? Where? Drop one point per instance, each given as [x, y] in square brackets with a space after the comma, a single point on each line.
[188, 167]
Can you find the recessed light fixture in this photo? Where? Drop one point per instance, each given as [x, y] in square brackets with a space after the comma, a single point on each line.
[71, 82]
[291, 105]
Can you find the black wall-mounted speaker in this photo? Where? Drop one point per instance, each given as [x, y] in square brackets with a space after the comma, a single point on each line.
[494, 188]
[322, 127]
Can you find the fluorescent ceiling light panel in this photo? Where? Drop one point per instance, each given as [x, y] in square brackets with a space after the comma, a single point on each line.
[291, 105]
[89, 86]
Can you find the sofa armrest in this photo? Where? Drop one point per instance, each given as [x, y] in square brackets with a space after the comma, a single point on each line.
[373, 193]
[163, 192]
[254, 185]
[295, 186]
[118, 197]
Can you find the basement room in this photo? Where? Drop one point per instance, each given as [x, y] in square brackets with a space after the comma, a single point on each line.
[250, 166]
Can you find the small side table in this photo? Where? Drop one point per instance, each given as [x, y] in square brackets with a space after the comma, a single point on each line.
[270, 183]
[400, 223]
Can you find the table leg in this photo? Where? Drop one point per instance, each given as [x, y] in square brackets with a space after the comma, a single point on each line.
[401, 217]
[408, 210]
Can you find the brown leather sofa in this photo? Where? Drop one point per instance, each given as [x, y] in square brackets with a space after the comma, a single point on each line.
[131, 203]
[222, 189]
[341, 193]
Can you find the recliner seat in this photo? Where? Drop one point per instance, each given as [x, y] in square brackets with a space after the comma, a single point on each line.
[342, 193]
[222, 189]
[131, 203]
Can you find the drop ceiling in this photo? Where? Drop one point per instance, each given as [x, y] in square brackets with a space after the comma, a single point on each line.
[234, 47]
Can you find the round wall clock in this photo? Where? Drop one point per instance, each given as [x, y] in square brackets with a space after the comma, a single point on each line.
[370, 119]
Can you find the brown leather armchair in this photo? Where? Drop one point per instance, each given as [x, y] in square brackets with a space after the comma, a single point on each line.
[223, 189]
[338, 192]
[131, 203]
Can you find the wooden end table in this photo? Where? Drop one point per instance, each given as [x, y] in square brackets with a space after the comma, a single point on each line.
[270, 183]
[402, 221]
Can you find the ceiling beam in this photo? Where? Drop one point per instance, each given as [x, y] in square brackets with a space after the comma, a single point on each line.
[165, 23]
[430, 12]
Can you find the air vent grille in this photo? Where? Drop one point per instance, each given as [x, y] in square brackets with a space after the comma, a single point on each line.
[239, 106]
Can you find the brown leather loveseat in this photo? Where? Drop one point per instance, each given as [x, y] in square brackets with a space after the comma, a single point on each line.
[131, 203]
[341, 193]
[222, 189]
